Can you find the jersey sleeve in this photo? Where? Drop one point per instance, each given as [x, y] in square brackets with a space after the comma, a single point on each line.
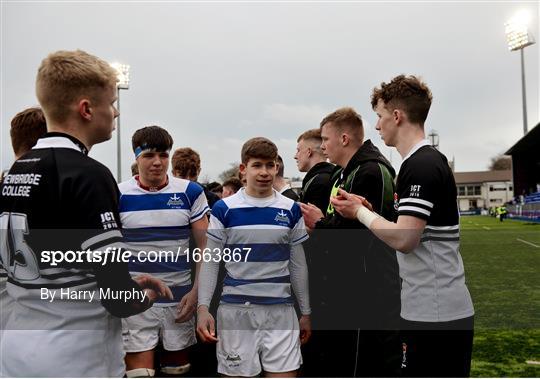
[216, 227]
[198, 201]
[298, 231]
[96, 197]
[417, 190]
[96, 202]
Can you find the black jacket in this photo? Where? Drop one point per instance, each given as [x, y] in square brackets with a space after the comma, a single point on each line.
[289, 192]
[354, 277]
[316, 185]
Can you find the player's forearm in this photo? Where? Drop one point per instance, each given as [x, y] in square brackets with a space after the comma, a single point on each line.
[299, 278]
[199, 234]
[196, 279]
[208, 274]
[395, 235]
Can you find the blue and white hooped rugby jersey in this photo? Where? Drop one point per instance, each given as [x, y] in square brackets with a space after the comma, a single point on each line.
[158, 222]
[267, 228]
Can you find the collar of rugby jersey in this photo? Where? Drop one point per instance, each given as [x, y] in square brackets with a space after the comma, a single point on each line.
[422, 143]
[60, 140]
[152, 189]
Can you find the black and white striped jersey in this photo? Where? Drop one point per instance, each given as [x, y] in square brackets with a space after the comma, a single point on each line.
[56, 198]
[433, 287]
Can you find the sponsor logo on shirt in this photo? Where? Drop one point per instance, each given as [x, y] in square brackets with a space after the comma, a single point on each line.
[108, 221]
[175, 201]
[282, 217]
[415, 190]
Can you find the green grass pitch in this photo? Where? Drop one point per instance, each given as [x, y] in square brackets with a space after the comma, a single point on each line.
[502, 268]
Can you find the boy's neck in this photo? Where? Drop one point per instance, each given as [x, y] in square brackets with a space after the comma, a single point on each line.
[411, 135]
[152, 186]
[259, 194]
[72, 130]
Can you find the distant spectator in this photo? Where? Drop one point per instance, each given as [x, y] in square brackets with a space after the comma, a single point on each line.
[230, 187]
[281, 185]
[216, 188]
[186, 164]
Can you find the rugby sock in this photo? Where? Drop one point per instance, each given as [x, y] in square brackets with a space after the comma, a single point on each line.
[141, 373]
[176, 370]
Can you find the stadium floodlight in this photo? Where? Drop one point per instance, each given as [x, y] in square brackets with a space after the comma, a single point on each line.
[434, 139]
[122, 72]
[518, 38]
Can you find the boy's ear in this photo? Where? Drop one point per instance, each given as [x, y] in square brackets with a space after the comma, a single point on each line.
[242, 168]
[84, 109]
[345, 139]
[399, 116]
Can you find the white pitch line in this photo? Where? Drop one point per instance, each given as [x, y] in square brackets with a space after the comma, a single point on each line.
[487, 228]
[527, 242]
[532, 362]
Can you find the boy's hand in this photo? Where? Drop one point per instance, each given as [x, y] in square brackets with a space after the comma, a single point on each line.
[206, 325]
[305, 328]
[155, 287]
[186, 307]
[311, 214]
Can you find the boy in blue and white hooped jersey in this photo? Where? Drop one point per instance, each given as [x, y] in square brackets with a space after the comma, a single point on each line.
[157, 213]
[258, 233]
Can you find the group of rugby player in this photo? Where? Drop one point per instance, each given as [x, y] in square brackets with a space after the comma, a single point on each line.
[386, 280]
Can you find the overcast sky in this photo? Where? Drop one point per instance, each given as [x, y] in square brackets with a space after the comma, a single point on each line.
[215, 74]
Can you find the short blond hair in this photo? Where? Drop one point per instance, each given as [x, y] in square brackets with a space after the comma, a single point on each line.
[64, 76]
[346, 118]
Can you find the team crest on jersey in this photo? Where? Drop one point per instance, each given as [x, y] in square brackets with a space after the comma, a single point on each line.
[282, 217]
[175, 201]
[396, 201]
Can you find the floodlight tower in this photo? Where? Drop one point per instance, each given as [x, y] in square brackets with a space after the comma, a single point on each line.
[518, 38]
[122, 71]
[434, 139]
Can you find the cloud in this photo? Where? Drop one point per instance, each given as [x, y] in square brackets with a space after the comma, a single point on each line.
[308, 116]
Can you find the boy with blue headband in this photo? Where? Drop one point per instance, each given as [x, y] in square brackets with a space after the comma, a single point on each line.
[157, 212]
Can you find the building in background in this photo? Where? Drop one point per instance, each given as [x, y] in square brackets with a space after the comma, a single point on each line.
[483, 189]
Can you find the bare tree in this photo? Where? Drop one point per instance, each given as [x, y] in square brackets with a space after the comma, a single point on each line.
[501, 162]
[232, 171]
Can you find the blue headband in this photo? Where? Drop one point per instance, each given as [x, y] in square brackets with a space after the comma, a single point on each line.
[141, 149]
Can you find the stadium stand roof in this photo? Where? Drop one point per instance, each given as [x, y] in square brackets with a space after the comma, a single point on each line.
[526, 162]
[529, 143]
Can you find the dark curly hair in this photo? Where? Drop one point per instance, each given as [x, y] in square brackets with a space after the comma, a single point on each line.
[407, 93]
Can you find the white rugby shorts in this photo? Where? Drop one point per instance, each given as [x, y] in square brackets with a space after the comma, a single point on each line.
[257, 337]
[141, 332]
